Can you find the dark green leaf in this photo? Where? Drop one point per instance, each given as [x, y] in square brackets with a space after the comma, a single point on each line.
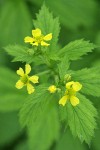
[68, 142]
[15, 22]
[10, 97]
[72, 13]
[9, 127]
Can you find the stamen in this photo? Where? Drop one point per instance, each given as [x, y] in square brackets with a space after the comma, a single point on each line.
[25, 79]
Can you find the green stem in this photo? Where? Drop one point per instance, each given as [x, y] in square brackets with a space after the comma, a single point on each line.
[42, 73]
[51, 69]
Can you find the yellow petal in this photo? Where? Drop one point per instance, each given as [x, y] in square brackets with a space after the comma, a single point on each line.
[52, 89]
[28, 39]
[48, 37]
[74, 100]
[36, 32]
[77, 86]
[44, 43]
[35, 44]
[69, 84]
[27, 69]
[63, 100]
[34, 79]
[19, 84]
[30, 88]
[20, 72]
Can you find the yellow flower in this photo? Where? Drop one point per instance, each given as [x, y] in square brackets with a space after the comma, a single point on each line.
[25, 79]
[38, 38]
[52, 89]
[70, 94]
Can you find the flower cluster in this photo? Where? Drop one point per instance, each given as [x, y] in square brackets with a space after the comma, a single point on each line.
[71, 87]
[70, 94]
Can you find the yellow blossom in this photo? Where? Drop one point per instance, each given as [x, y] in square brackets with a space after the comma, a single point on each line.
[70, 94]
[38, 38]
[52, 89]
[25, 79]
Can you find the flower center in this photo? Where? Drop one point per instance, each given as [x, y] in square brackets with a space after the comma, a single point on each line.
[39, 38]
[24, 79]
[70, 92]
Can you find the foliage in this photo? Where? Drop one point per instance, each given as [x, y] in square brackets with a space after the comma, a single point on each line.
[48, 24]
[90, 78]
[13, 99]
[13, 128]
[46, 122]
[81, 119]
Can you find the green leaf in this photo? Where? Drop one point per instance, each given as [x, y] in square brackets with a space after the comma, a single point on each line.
[9, 127]
[48, 24]
[46, 129]
[35, 105]
[38, 113]
[14, 98]
[95, 141]
[23, 145]
[73, 14]
[90, 79]
[63, 67]
[74, 50]
[15, 22]
[81, 119]
[20, 53]
[68, 142]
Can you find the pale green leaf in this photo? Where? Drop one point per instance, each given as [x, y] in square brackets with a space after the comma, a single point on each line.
[81, 119]
[90, 79]
[40, 115]
[44, 132]
[48, 24]
[75, 49]
[35, 105]
[63, 67]
[20, 53]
